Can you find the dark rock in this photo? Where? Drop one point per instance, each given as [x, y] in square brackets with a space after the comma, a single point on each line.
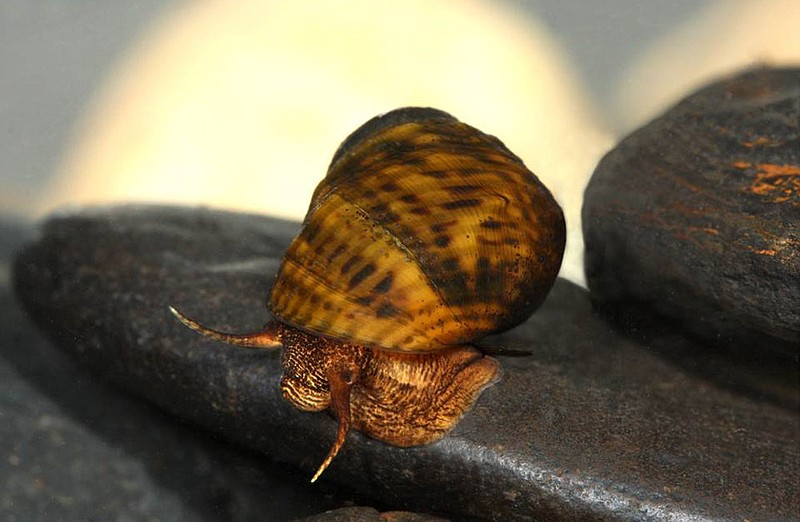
[75, 448]
[696, 216]
[365, 514]
[592, 425]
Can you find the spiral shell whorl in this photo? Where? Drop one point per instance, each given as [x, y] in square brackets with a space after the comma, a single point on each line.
[425, 233]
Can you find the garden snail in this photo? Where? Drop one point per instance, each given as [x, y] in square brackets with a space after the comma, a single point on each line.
[425, 235]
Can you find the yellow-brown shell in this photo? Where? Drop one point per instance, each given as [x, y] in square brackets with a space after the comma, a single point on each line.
[425, 233]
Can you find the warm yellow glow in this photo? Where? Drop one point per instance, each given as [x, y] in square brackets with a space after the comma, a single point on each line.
[725, 37]
[242, 104]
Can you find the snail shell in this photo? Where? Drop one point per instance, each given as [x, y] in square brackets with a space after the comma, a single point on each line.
[425, 235]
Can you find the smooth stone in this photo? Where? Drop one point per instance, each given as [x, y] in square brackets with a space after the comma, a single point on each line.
[696, 216]
[593, 424]
[76, 448]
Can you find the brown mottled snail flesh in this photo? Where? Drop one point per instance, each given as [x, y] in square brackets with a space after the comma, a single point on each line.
[425, 235]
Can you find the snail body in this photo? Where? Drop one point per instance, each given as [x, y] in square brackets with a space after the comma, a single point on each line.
[425, 235]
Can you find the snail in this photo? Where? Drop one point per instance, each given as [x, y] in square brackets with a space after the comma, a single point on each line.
[425, 236]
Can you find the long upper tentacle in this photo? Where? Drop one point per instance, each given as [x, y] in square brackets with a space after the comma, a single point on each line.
[266, 338]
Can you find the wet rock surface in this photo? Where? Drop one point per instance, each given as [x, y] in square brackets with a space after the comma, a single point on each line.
[77, 448]
[593, 424]
[696, 216]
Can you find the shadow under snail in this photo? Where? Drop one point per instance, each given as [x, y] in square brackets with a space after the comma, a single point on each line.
[425, 235]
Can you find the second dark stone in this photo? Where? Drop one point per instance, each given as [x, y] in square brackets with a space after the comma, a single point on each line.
[696, 216]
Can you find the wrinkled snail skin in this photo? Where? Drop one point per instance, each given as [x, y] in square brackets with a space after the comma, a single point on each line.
[404, 399]
[425, 235]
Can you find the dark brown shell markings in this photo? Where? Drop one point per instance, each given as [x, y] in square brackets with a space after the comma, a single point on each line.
[425, 235]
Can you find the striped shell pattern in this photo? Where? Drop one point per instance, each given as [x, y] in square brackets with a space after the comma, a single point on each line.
[425, 233]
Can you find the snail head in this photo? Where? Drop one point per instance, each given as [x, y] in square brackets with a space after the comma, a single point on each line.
[318, 372]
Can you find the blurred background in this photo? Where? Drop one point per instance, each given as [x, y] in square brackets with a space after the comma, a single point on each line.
[241, 104]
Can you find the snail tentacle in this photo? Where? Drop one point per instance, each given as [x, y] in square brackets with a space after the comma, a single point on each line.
[266, 338]
[341, 382]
